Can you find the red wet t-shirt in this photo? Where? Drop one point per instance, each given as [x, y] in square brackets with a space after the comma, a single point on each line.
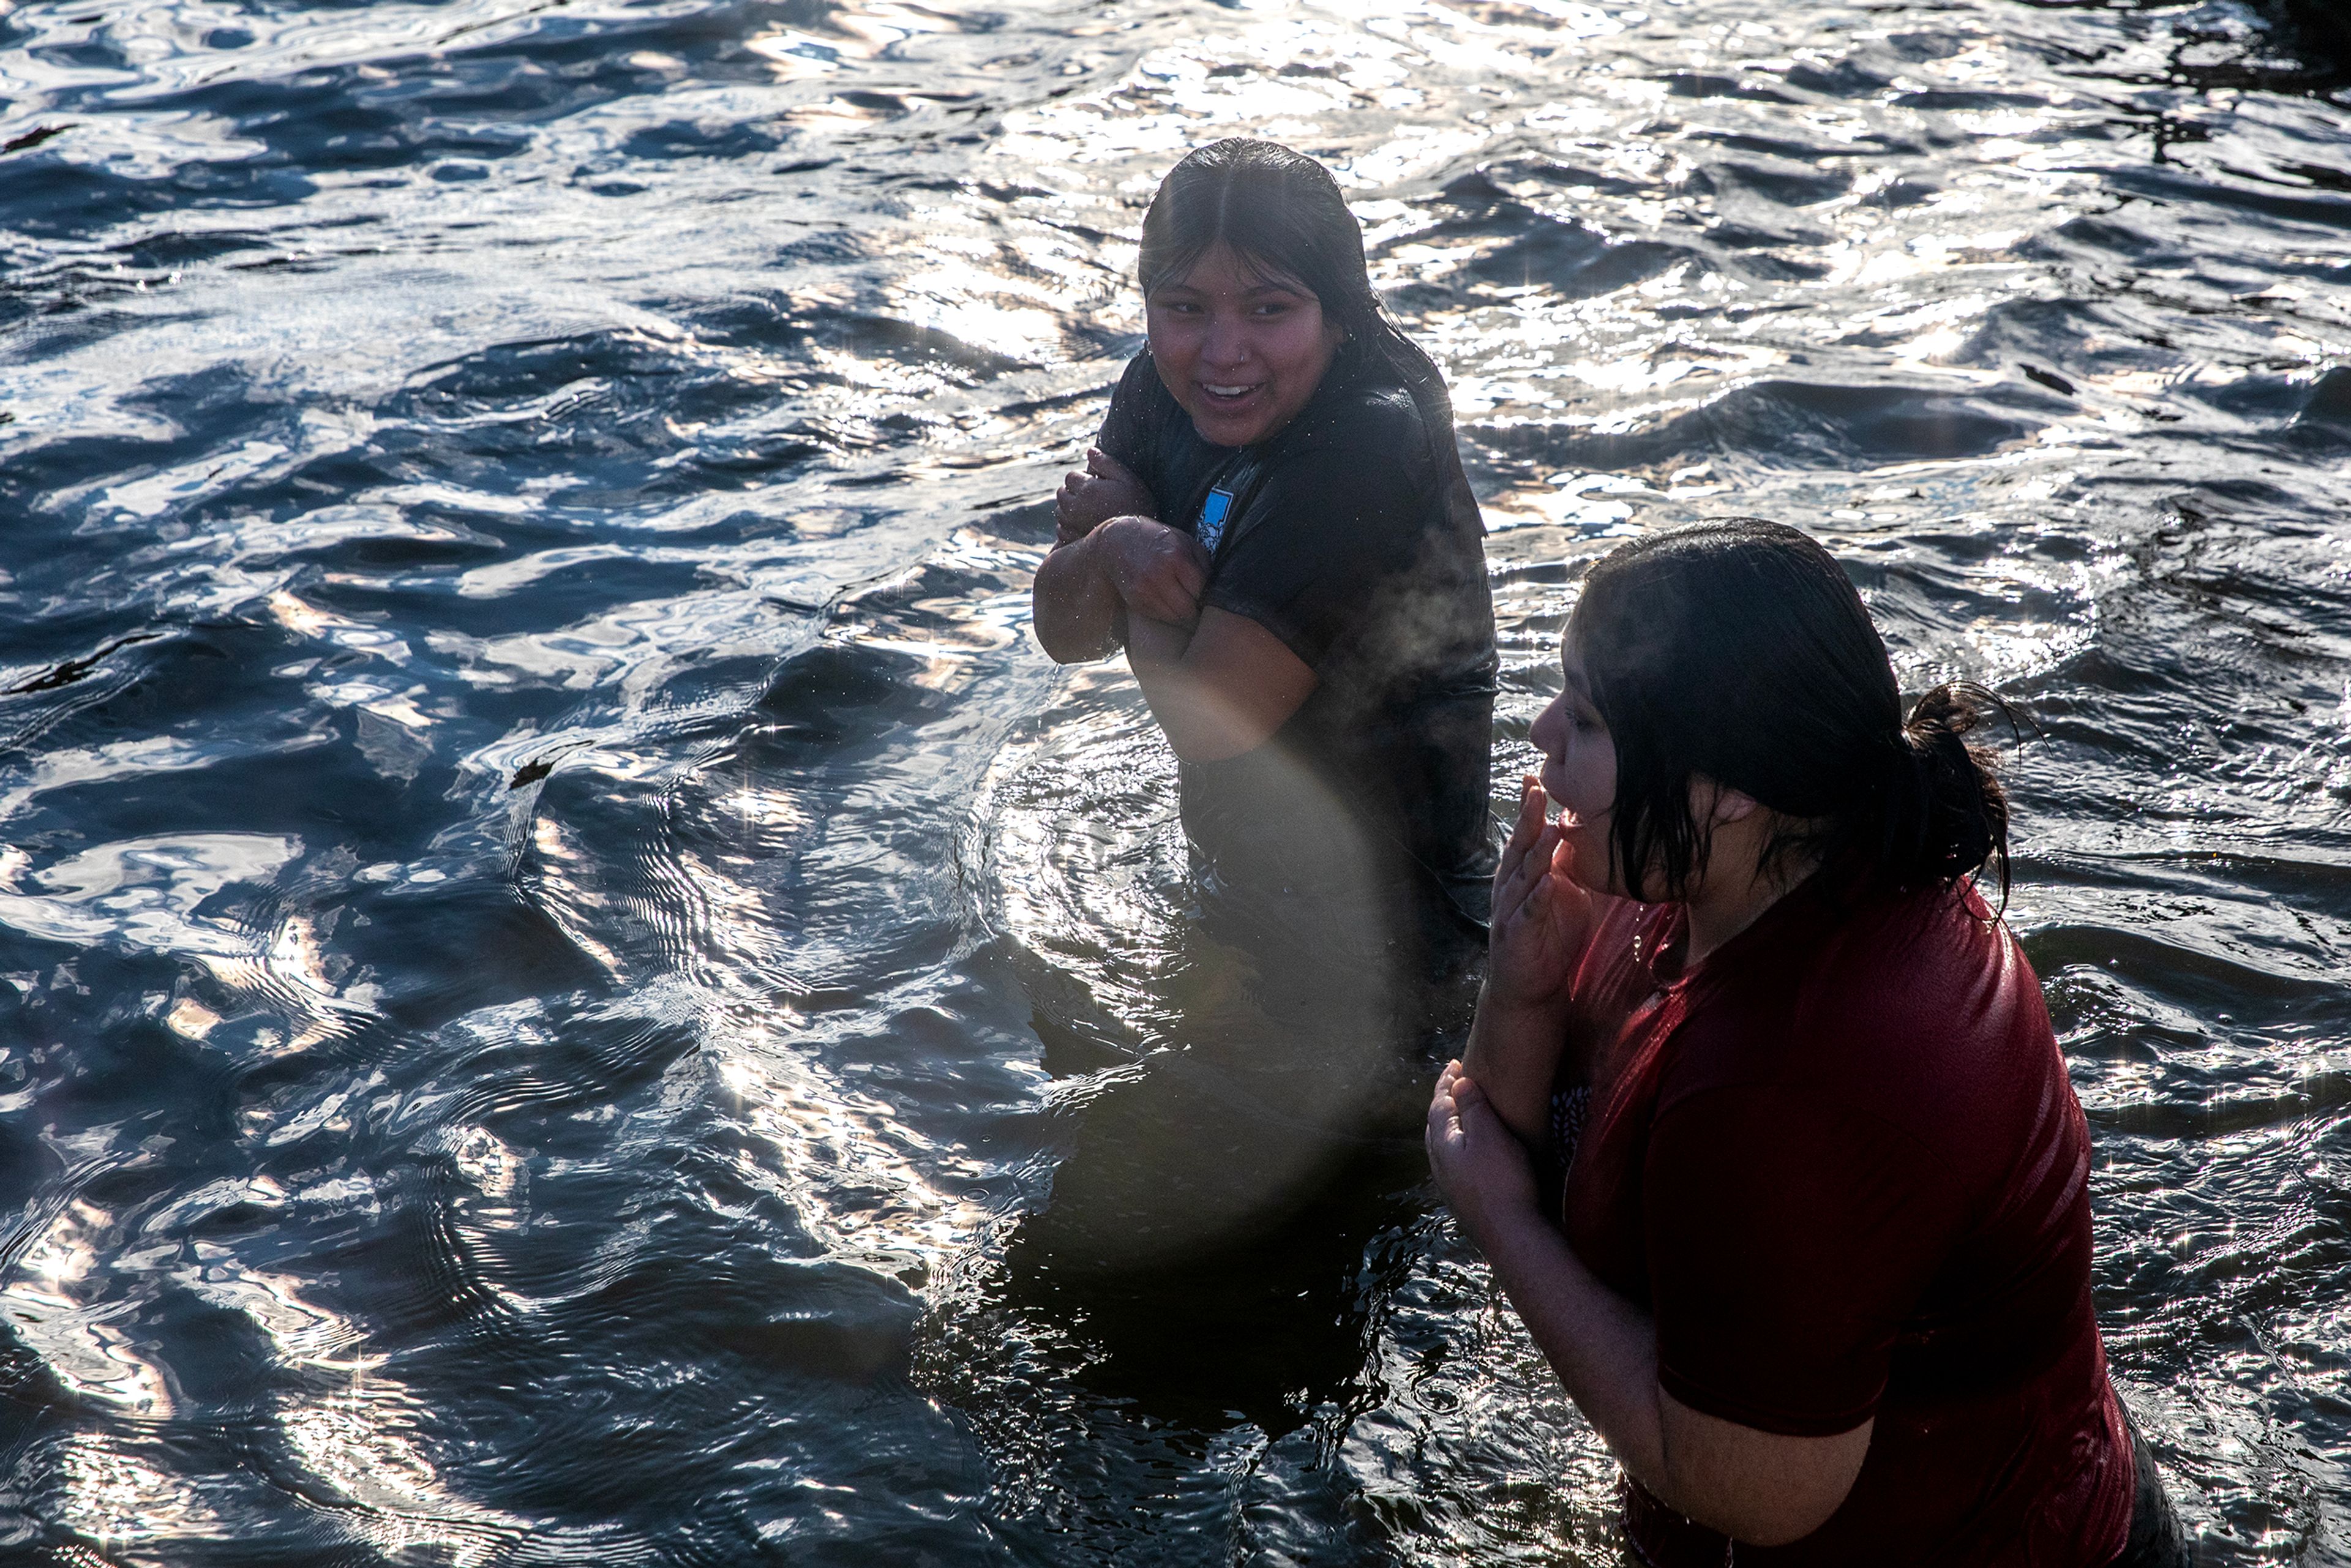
[1842, 1165]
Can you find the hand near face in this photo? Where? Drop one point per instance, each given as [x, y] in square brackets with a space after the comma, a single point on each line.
[1481, 1168]
[1090, 497]
[1543, 917]
[1158, 571]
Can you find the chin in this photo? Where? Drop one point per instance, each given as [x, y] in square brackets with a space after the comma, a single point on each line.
[1224, 430]
[1592, 849]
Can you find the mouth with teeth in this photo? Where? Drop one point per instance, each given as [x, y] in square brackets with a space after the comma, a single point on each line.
[1227, 395]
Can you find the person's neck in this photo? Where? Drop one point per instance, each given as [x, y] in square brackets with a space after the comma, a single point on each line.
[1734, 897]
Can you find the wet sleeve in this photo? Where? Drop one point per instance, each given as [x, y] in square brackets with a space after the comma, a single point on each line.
[1788, 1241]
[1128, 425]
[1323, 530]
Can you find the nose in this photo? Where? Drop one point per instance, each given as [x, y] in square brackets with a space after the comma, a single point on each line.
[1225, 343]
[1548, 733]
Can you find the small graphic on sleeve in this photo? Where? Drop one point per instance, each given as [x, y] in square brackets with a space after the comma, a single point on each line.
[1213, 513]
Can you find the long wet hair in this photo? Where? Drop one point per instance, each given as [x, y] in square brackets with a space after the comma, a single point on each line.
[1740, 652]
[1282, 213]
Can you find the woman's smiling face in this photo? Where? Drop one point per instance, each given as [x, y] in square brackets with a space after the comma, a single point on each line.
[1579, 774]
[1242, 350]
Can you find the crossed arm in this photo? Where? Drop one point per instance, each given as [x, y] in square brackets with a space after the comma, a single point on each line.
[1218, 683]
[1762, 1488]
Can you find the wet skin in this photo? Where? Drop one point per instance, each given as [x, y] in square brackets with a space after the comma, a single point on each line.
[1239, 348]
[1579, 775]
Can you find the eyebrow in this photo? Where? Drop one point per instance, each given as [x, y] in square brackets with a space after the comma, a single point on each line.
[1294, 290]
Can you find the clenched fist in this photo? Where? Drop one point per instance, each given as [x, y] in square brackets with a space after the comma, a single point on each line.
[1090, 497]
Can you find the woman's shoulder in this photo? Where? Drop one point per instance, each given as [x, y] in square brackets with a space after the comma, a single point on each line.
[1913, 1060]
[1363, 441]
[1900, 1005]
[1374, 417]
[1144, 421]
[1933, 957]
[1139, 383]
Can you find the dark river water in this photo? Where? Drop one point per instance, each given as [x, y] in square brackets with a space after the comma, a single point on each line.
[574, 988]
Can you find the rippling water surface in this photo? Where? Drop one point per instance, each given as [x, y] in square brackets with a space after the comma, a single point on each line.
[576, 989]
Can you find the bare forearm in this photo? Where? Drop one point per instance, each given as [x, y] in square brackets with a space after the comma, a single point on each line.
[1218, 683]
[1074, 604]
[1513, 1053]
[1754, 1485]
[1156, 648]
[1154, 651]
[1603, 1347]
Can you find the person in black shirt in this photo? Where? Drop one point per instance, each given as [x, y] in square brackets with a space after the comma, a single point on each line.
[1275, 525]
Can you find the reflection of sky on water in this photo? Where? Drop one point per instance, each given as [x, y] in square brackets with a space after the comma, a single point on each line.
[351, 1431]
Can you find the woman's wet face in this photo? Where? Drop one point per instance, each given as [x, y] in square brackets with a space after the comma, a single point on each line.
[1579, 773]
[1241, 350]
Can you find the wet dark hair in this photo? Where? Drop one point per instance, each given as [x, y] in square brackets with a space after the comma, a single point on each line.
[1283, 215]
[1741, 651]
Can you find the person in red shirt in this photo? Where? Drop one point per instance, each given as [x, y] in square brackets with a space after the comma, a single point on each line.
[1815, 1260]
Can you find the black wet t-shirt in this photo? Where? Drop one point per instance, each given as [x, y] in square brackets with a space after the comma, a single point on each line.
[1351, 534]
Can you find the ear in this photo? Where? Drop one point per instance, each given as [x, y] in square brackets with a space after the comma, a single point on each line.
[1732, 806]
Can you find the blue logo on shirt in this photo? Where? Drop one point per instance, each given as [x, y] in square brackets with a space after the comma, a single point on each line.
[1213, 512]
